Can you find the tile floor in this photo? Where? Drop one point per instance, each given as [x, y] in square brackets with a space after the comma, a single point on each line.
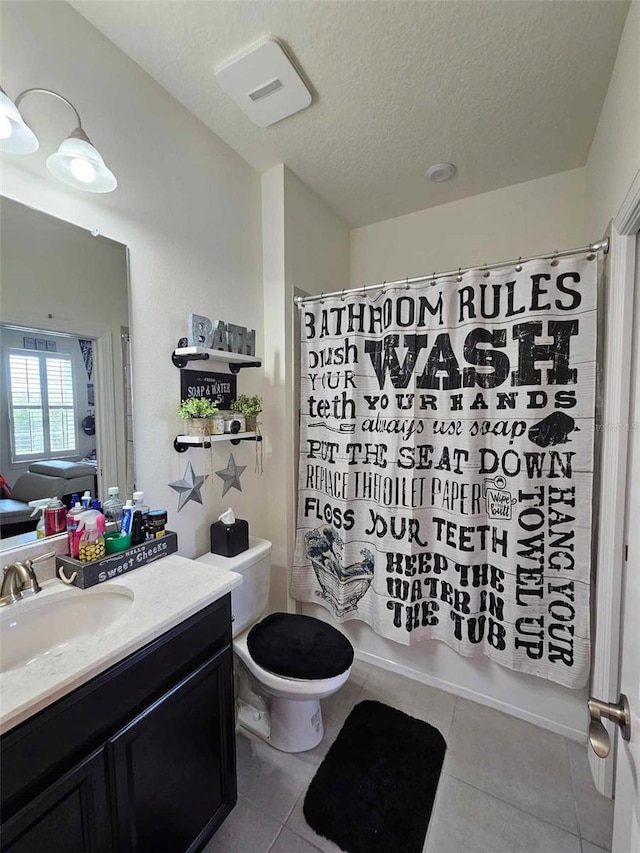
[507, 786]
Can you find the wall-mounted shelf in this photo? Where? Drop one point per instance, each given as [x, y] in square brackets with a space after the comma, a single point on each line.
[182, 443]
[181, 356]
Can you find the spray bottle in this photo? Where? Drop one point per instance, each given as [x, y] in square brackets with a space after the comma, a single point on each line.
[38, 507]
[73, 529]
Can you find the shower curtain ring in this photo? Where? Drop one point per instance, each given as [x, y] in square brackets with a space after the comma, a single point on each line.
[554, 260]
[459, 276]
[591, 256]
[322, 299]
[486, 272]
[343, 293]
[382, 289]
[406, 287]
[519, 265]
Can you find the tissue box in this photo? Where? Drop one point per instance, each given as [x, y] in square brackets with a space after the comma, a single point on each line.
[229, 539]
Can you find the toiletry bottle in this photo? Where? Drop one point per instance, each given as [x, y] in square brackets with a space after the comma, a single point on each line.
[91, 546]
[55, 517]
[112, 507]
[95, 504]
[127, 513]
[73, 532]
[139, 504]
[86, 500]
[75, 499]
[39, 507]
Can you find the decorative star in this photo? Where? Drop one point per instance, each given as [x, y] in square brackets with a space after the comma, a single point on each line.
[189, 487]
[231, 475]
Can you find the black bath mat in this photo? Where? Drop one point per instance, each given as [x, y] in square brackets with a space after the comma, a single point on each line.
[374, 791]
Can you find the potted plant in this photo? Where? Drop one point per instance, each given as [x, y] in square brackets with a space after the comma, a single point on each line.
[199, 414]
[250, 407]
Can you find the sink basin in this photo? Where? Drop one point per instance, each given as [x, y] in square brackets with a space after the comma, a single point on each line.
[45, 624]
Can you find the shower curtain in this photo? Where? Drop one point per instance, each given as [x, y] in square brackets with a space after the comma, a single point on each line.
[446, 463]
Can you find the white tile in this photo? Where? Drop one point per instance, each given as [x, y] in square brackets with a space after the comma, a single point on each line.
[270, 779]
[588, 847]
[414, 698]
[595, 812]
[515, 761]
[467, 820]
[289, 842]
[246, 830]
[297, 824]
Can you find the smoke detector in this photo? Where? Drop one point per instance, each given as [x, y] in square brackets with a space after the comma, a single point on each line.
[264, 83]
[441, 172]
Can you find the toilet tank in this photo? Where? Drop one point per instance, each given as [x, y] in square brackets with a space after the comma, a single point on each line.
[249, 600]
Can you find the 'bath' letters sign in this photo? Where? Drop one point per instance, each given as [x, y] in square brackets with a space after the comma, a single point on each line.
[446, 460]
[216, 334]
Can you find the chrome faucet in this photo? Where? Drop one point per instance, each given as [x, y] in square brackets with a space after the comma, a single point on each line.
[19, 579]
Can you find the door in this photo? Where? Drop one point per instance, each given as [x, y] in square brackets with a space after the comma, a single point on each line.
[71, 815]
[626, 825]
[173, 767]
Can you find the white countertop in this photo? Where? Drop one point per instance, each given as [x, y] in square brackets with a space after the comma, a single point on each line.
[163, 593]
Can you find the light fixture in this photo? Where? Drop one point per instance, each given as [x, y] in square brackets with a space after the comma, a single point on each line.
[441, 172]
[76, 162]
[16, 137]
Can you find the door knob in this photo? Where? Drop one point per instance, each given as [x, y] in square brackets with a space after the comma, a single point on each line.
[619, 713]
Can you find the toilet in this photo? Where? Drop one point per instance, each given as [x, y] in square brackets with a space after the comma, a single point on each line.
[284, 663]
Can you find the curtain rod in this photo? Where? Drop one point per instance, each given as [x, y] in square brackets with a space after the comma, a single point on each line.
[591, 249]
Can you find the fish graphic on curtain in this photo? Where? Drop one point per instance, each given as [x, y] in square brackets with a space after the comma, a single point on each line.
[446, 463]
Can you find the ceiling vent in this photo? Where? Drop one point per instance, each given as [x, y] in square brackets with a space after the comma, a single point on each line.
[264, 83]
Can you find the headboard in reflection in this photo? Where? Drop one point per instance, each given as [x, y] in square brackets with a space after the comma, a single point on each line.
[65, 349]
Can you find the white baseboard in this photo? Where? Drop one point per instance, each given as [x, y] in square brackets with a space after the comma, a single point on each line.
[465, 693]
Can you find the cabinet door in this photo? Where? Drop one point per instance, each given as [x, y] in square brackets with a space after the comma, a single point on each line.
[70, 815]
[173, 768]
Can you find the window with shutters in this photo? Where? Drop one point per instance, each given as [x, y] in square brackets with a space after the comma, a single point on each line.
[41, 405]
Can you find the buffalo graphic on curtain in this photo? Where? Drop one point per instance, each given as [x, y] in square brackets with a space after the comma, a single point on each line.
[446, 463]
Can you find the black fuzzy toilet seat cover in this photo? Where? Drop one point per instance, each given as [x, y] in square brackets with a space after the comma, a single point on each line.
[299, 647]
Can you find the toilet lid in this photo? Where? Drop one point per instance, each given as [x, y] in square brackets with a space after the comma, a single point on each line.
[299, 647]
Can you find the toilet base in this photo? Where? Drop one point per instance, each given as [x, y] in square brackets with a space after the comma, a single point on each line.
[289, 725]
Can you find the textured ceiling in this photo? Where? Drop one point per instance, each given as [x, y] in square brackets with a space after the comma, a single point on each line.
[508, 91]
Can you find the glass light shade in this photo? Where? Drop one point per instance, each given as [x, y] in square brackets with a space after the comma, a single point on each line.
[15, 136]
[78, 164]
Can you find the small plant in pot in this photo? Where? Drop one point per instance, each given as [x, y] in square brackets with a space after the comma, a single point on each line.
[199, 414]
[250, 407]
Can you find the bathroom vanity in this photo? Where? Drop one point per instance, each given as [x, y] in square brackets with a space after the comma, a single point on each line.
[123, 740]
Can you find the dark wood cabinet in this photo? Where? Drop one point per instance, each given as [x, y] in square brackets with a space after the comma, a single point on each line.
[139, 760]
[70, 815]
[171, 768]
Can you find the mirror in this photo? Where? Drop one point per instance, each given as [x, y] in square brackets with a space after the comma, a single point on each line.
[65, 352]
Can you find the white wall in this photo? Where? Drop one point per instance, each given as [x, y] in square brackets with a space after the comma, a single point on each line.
[524, 219]
[614, 157]
[188, 208]
[305, 246]
[521, 220]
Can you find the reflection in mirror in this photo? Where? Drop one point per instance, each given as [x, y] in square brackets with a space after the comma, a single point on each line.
[65, 400]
